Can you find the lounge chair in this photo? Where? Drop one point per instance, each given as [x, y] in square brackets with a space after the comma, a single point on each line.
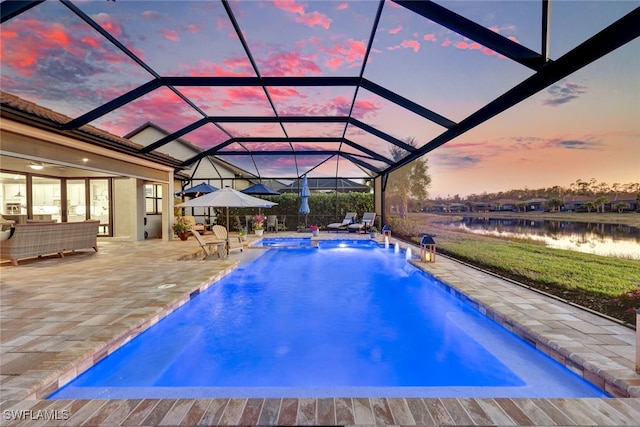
[233, 243]
[208, 247]
[365, 224]
[337, 226]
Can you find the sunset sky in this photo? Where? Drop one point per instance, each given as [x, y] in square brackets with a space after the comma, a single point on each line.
[585, 126]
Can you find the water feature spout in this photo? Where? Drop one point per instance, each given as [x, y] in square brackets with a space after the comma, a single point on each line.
[396, 249]
[408, 254]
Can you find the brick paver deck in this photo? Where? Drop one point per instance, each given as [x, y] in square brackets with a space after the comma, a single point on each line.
[60, 316]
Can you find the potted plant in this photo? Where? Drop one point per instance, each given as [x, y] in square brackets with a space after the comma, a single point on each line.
[182, 227]
[258, 224]
[243, 234]
[373, 232]
[314, 229]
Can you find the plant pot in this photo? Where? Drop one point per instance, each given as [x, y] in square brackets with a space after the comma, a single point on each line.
[183, 236]
[373, 235]
[259, 232]
[314, 232]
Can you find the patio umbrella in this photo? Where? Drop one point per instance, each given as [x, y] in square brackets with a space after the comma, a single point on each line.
[202, 188]
[261, 190]
[227, 198]
[305, 194]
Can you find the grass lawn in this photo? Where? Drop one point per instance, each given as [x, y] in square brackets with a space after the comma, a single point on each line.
[593, 281]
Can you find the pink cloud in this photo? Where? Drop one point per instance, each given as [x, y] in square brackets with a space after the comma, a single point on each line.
[284, 93]
[445, 43]
[351, 51]
[242, 95]
[151, 15]
[291, 63]
[109, 23]
[239, 66]
[170, 35]
[40, 40]
[343, 6]
[430, 37]
[407, 44]
[309, 19]
[192, 28]
[396, 30]
[315, 18]
[290, 6]
[463, 45]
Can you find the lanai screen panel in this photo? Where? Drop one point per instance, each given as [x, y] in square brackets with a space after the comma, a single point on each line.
[162, 107]
[54, 59]
[229, 100]
[312, 100]
[393, 119]
[432, 64]
[205, 137]
[164, 34]
[316, 38]
[572, 23]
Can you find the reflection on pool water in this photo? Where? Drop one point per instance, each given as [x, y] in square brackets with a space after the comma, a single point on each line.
[354, 320]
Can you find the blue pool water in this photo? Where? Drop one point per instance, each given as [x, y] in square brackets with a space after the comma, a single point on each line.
[274, 242]
[340, 319]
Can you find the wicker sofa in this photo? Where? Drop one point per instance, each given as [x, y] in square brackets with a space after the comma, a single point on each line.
[37, 239]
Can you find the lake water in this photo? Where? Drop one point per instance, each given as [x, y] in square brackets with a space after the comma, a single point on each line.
[595, 238]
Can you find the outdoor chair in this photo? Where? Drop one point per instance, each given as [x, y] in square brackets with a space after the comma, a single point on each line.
[349, 218]
[365, 224]
[282, 223]
[272, 223]
[208, 247]
[192, 221]
[233, 243]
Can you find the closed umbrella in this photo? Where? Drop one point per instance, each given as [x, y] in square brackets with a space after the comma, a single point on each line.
[227, 198]
[305, 194]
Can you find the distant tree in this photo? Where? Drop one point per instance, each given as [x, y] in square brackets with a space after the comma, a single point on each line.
[408, 183]
[589, 206]
[620, 206]
[600, 202]
[555, 204]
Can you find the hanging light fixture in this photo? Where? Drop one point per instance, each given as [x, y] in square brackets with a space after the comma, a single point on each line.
[36, 166]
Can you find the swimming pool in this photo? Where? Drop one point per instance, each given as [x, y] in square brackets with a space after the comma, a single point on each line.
[343, 319]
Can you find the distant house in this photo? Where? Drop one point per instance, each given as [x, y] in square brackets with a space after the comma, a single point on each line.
[482, 207]
[327, 185]
[438, 208]
[629, 200]
[458, 207]
[536, 205]
[508, 205]
[576, 203]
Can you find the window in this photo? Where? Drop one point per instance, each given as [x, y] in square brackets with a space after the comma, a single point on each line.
[153, 195]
